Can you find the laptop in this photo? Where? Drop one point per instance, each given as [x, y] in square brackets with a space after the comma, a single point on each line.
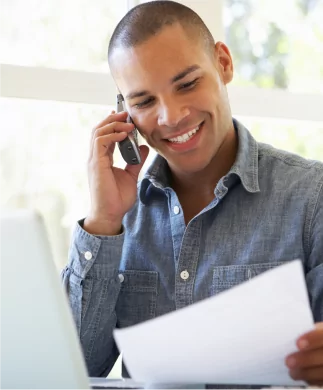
[40, 347]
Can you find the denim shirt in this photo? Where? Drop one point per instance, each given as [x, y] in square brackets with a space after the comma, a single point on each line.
[267, 210]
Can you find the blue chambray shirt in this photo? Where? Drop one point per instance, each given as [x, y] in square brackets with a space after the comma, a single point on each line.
[267, 210]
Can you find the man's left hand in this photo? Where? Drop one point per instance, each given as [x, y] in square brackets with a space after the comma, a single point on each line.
[307, 363]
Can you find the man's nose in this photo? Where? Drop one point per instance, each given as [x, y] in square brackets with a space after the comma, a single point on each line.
[171, 113]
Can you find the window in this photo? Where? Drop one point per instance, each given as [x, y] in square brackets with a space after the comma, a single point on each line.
[56, 87]
[54, 51]
[276, 46]
[278, 61]
[44, 151]
[304, 138]
[60, 34]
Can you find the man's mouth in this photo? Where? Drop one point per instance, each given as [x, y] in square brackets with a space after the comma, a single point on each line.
[181, 139]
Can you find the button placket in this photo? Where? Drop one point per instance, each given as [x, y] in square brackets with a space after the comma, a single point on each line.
[187, 264]
[177, 223]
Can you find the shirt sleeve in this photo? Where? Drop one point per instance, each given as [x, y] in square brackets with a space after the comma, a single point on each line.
[314, 276]
[92, 284]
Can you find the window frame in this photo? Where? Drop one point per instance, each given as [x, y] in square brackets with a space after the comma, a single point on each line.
[98, 88]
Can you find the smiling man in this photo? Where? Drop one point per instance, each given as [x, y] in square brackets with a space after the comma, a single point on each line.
[214, 209]
[179, 102]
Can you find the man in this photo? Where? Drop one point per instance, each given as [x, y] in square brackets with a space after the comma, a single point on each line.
[214, 209]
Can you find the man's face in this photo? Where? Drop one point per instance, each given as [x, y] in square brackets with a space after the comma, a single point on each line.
[175, 93]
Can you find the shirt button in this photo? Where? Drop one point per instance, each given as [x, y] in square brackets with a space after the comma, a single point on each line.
[88, 255]
[121, 278]
[185, 275]
[176, 210]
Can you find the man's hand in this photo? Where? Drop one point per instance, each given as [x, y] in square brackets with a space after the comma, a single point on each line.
[113, 190]
[307, 364]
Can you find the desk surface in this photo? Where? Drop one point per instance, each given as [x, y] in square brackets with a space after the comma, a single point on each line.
[105, 383]
[215, 387]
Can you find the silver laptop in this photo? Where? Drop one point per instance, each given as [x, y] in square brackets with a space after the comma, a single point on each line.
[40, 347]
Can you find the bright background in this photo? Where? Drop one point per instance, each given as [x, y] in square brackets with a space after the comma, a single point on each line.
[56, 86]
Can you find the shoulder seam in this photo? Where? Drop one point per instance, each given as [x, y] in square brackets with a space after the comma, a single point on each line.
[291, 159]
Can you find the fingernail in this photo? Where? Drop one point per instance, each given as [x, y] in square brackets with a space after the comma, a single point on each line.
[291, 362]
[303, 344]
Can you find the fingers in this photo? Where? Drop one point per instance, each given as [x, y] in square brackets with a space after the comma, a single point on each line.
[113, 123]
[105, 121]
[307, 363]
[102, 145]
[306, 359]
[114, 127]
[312, 376]
[114, 116]
[312, 339]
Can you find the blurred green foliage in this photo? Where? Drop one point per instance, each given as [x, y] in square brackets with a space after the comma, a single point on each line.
[276, 44]
[279, 45]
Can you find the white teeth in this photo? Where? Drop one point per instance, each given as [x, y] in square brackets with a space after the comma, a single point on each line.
[185, 137]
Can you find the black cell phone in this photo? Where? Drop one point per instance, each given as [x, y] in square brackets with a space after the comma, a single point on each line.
[129, 148]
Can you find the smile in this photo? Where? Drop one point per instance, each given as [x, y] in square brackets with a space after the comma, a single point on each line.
[185, 137]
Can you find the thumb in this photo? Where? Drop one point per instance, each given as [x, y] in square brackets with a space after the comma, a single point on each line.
[134, 170]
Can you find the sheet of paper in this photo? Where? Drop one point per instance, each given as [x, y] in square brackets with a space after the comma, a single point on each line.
[240, 336]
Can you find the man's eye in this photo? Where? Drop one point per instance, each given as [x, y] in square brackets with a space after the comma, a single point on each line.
[144, 103]
[189, 85]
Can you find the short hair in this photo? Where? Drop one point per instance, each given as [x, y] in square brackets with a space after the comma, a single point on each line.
[148, 19]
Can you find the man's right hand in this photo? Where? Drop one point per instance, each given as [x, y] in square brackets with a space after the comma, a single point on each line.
[113, 190]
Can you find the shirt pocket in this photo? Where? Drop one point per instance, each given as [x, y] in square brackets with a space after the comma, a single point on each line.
[137, 298]
[225, 277]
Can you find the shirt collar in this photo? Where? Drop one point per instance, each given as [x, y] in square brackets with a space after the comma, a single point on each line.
[245, 166]
[157, 175]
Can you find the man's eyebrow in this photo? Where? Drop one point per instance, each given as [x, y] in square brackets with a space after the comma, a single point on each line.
[184, 73]
[133, 95]
[179, 76]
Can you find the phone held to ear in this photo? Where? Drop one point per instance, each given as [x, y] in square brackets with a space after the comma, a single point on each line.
[129, 148]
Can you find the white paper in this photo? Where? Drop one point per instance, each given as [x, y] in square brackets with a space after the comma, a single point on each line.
[241, 336]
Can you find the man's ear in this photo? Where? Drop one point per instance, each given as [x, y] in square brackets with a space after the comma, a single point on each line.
[223, 62]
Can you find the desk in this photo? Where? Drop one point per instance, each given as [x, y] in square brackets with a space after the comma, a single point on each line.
[105, 383]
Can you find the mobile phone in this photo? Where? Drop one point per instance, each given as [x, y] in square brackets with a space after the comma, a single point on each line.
[129, 148]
